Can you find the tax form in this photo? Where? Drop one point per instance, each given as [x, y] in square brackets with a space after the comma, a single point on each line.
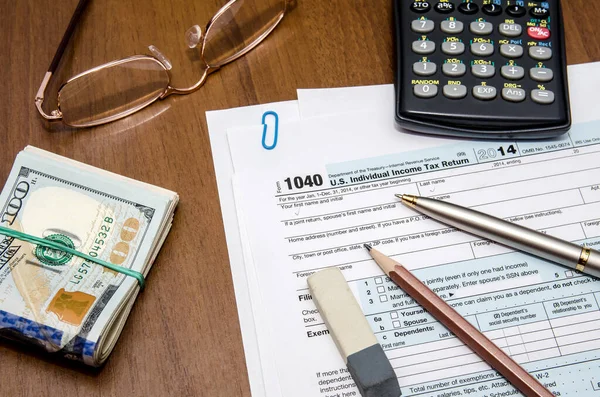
[315, 209]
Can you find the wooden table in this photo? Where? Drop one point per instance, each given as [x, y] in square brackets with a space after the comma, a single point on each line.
[183, 336]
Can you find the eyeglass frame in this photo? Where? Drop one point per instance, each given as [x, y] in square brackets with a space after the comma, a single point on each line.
[56, 115]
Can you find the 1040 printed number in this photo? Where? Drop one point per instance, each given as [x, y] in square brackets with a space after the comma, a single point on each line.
[299, 182]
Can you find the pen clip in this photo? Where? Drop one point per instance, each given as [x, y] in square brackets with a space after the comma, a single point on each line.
[265, 127]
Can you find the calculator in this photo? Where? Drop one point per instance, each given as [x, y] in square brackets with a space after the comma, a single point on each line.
[481, 68]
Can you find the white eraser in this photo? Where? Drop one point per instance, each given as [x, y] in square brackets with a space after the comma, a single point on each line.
[367, 362]
[341, 312]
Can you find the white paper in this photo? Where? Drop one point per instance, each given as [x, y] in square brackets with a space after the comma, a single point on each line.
[311, 147]
[295, 234]
[218, 123]
[346, 100]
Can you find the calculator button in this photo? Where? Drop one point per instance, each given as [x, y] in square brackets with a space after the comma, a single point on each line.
[455, 91]
[468, 8]
[424, 68]
[444, 8]
[420, 6]
[482, 49]
[512, 72]
[484, 92]
[513, 94]
[541, 74]
[492, 9]
[511, 50]
[539, 12]
[515, 11]
[543, 97]
[481, 28]
[453, 47]
[510, 29]
[538, 33]
[423, 47]
[483, 71]
[454, 69]
[540, 53]
[422, 26]
[425, 90]
[452, 27]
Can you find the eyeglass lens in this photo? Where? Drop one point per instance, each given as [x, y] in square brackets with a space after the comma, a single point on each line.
[112, 91]
[239, 28]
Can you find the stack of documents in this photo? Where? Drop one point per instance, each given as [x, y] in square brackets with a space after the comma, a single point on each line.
[304, 184]
[55, 300]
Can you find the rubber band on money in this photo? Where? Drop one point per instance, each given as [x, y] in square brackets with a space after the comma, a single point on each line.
[59, 247]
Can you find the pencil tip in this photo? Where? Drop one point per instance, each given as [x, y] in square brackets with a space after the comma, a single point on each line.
[368, 247]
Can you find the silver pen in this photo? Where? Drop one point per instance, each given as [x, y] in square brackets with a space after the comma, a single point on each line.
[571, 255]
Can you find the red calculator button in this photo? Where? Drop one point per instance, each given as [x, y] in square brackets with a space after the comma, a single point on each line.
[538, 33]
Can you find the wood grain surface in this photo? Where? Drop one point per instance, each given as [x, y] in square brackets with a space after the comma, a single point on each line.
[183, 335]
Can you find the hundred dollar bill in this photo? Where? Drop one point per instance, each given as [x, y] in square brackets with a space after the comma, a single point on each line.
[63, 303]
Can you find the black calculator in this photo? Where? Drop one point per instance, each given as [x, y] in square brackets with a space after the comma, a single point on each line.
[481, 68]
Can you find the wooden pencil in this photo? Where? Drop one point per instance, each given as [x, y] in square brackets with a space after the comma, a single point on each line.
[467, 333]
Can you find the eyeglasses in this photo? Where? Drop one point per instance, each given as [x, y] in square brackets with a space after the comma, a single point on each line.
[117, 89]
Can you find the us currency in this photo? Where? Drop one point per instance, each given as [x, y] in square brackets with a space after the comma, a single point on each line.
[62, 303]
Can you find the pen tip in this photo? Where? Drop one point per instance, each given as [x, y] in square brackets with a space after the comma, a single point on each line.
[408, 199]
[368, 247]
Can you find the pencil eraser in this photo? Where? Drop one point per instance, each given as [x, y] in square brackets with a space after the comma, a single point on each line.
[369, 366]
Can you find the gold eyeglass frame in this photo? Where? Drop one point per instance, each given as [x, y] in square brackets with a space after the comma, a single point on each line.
[57, 115]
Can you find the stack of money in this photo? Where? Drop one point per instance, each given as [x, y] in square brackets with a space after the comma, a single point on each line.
[58, 301]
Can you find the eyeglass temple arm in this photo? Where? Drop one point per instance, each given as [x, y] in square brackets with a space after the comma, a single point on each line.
[39, 97]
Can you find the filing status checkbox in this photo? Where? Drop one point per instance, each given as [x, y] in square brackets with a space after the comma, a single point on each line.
[381, 289]
[378, 280]
[383, 298]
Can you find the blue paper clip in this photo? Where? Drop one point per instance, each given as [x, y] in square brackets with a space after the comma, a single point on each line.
[265, 126]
